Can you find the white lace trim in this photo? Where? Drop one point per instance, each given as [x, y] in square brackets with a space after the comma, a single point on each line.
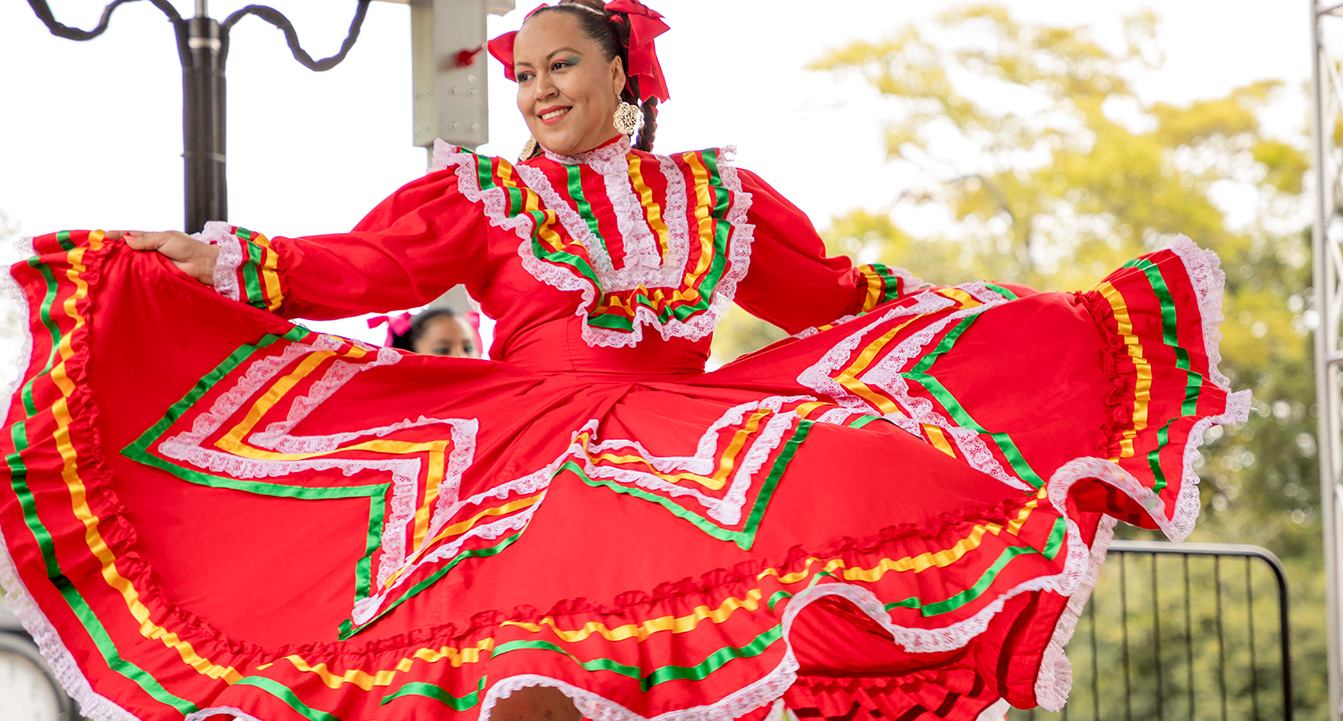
[726, 510]
[1205, 270]
[911, 282]
[1055, 676]
[886, 376]
[643, 264]
[231, 256]
[213, 711]
[13, 293]
[771, 687]
[190, 447]
[617, 149]
[765, 691]
[16, 595]
[62, 662]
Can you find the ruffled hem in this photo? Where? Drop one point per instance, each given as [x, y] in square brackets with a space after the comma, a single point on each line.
[1074, 579]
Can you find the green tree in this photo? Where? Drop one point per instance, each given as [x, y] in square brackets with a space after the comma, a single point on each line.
[1052, 169]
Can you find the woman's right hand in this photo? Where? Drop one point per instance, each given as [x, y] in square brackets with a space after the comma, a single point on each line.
[195, 258]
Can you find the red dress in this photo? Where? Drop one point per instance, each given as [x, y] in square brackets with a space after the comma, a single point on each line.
[898, 512]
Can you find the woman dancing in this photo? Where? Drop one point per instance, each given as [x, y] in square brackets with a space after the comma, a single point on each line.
[898, 512]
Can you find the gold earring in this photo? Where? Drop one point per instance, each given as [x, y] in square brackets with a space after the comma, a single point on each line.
[628, 118]
[528, 149]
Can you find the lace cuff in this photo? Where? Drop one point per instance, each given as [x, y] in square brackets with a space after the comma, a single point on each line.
[884, 283]
[248, 268]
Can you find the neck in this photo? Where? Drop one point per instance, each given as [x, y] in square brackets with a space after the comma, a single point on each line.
[618, 145]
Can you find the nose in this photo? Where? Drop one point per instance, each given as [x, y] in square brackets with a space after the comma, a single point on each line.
[542, 87]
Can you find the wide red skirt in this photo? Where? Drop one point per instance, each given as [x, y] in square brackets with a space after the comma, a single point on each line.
[211, 511]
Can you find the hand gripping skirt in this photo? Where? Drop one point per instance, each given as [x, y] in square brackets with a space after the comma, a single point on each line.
[211, 512]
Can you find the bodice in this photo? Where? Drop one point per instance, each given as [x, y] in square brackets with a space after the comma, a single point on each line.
[556, 347]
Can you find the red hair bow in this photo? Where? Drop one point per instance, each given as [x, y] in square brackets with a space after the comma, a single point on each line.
[645, 25]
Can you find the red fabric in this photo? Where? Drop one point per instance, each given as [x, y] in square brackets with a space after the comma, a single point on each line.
[645, 26]
[395, 258]
[202, 496]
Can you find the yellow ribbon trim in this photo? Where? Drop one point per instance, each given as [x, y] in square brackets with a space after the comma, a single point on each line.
[874, 287]
[917, 563]
[78, 493]
[366, 681]
[652, 211]
[270, 273]
[726, 462]
[436, 451]
[1142, 387]
[674, 624]
[531, 202]
[938, 439]
[704, 202]
[462, 527]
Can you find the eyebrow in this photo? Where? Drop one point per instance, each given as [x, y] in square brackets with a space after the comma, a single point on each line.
[548, 57]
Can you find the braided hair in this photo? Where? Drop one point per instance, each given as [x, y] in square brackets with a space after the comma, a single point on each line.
[614, 38]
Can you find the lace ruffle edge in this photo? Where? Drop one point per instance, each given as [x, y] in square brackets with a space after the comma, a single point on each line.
[771, 687]
[494, 205]
[16, 595]
[220, 234]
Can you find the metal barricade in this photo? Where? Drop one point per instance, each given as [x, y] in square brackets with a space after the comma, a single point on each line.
[1178, 631]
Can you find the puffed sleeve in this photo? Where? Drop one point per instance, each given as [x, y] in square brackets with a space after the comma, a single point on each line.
[792, 283]
[415, 245]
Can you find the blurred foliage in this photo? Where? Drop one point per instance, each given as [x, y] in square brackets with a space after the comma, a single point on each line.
[1044, 166]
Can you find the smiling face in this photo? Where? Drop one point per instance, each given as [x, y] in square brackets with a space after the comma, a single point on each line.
[567, 90]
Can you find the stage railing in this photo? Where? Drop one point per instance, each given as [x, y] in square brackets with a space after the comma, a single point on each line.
[1181, 631]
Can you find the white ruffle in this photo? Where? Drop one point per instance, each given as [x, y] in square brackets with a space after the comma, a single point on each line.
[231, 256]
[611, 151]
[643, 264]
[16, 595]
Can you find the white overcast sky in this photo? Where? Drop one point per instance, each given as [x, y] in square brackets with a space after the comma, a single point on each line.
[90, 132]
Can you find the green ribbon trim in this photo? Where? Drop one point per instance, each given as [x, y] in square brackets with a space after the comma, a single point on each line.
[1051, 550]
[574, 176]
[254, 293]
[744, 538]
[616, 320]
[892, 285]
[919, 374]
[429, 690]
[662, 674]
[18, 476]
[286, 695]
[1193, 390]
[347, 628]
[139, 451]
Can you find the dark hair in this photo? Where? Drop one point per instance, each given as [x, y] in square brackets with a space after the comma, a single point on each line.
[614, 39]
[406, 341]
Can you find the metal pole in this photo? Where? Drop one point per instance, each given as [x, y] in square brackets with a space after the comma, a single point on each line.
[1326, 388]
[203, 122]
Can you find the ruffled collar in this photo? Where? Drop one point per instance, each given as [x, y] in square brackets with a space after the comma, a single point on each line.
[617, 147]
